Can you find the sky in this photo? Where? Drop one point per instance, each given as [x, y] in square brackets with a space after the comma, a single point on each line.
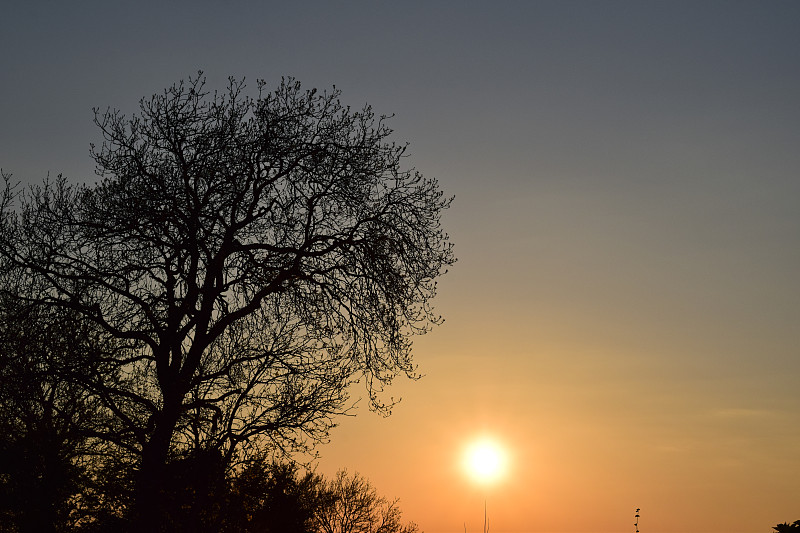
[624, 316]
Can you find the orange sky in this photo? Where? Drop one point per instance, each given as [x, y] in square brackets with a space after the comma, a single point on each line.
[625, 312]
[625, 360]
[592, 433]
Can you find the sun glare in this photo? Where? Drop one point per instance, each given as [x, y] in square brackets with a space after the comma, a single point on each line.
[485, 460]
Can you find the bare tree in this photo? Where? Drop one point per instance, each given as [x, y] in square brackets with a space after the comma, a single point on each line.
[252, 256]
[350, 504]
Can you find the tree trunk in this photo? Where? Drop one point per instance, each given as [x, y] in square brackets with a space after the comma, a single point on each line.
[151, 499]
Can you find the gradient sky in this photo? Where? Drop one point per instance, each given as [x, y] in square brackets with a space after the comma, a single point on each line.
[625, 312]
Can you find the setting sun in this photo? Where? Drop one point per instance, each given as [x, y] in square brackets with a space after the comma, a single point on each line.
[485, 460]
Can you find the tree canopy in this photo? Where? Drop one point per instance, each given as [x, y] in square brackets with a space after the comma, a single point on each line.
[251, 257]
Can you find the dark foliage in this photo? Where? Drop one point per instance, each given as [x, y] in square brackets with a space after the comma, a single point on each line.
[46, 450]
[275, 498]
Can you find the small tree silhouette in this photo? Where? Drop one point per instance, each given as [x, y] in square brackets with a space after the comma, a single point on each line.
[353, 506]
[786, 527]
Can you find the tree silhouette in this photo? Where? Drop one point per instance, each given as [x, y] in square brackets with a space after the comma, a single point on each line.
[352, 505]
[275, 498]
[46, 448]
[252, 258]
[786, 527]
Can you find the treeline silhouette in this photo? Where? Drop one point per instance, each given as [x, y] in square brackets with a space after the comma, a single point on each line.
[42, 494]
[208, 305]
[56, 476]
